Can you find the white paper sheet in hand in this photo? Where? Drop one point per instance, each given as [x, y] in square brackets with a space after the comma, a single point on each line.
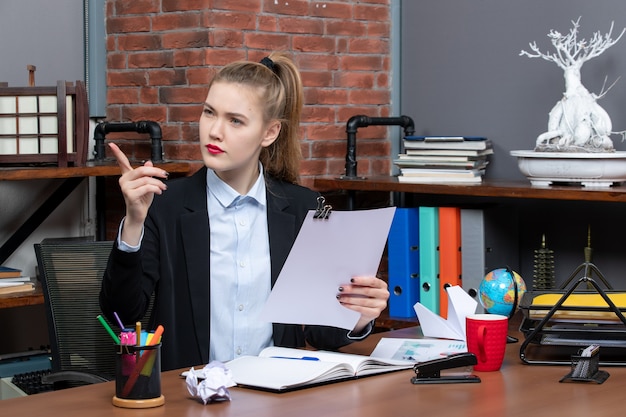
[325, 255]
[460, 305]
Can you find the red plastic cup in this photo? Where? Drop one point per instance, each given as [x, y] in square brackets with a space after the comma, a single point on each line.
[486, 336]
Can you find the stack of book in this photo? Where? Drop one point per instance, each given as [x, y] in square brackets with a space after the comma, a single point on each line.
[443, 159]
[12, 281]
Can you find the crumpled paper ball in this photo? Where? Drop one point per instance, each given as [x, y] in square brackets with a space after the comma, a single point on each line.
[211, 383]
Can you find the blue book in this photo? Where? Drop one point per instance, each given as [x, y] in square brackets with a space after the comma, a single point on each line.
[429, 257]
[403, 262]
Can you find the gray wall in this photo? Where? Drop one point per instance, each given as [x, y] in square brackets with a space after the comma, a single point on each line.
[462, 74]
[47, 34]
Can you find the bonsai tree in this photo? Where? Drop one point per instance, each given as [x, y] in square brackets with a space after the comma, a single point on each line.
[577, 123]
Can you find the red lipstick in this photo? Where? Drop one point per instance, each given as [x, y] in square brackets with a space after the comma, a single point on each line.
[214, 149]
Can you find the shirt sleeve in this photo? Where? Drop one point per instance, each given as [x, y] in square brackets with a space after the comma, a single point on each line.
[123, 246]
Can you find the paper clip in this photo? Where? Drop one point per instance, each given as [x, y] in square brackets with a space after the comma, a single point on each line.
[323, 210]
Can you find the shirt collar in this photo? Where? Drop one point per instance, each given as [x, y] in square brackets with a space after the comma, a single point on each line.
[226, 195]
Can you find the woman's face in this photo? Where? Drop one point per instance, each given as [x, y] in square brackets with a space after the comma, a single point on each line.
[233, 132]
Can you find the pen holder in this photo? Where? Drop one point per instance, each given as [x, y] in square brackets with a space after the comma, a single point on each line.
[138, 376]
[585, 369]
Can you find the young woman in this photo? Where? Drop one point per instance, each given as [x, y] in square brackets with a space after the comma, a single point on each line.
[210, 246]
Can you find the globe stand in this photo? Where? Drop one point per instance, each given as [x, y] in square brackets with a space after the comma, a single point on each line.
[509, 338]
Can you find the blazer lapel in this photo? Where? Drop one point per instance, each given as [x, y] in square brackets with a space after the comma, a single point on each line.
[281, 227]
[194, 226]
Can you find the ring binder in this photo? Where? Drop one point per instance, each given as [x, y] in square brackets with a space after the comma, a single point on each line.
[323, 210]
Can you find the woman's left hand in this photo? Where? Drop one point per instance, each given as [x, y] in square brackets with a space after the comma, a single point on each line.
[365, 295]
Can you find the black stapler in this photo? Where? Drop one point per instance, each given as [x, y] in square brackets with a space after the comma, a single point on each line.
[429, 372]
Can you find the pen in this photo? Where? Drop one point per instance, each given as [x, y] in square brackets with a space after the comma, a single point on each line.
[138, 332]
[108, 328]
[302, 358]
[119, 322]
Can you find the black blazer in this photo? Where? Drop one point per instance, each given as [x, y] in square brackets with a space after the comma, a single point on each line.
[173, 262]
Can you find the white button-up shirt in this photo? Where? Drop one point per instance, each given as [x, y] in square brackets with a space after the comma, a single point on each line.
[240, 269]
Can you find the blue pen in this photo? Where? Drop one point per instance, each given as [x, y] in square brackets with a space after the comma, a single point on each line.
[302, 358]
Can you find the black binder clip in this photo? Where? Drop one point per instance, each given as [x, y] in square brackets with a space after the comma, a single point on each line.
[429, 372]
[323, 210]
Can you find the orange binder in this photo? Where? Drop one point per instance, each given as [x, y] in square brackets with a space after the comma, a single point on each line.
[449, 253]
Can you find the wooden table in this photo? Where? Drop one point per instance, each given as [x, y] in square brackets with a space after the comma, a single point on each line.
[515, 390]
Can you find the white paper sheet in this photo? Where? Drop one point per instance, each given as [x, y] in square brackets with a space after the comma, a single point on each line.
[417, 350]
[325, 255]
[460, 305]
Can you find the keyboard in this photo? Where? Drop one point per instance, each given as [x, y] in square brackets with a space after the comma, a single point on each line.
[30, 382]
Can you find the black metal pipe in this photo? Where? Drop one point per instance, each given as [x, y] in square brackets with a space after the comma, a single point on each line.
[363, 121]
[143, 126]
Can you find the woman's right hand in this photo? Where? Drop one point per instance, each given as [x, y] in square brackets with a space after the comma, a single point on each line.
[138, 185]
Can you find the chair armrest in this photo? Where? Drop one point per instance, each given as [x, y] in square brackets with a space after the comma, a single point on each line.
[78, 376]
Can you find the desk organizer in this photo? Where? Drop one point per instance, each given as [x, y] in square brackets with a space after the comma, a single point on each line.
[585, 369]
[569, 320]
[44, 125]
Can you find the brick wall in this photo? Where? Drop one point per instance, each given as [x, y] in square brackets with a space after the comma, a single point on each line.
[161, 54]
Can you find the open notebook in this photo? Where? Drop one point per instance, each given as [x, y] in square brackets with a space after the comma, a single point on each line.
[283, 369]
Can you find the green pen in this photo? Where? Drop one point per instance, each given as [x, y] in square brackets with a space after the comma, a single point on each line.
[108, 328]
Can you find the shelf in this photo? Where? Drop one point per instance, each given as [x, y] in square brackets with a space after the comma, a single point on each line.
[489, 188]
[92, 169]
[22, 299]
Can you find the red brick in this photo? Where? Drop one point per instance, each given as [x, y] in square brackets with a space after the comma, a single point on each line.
[187, 113]
[227, 38]
[325, 96]
[154, 113]
[128, 24]
[301, 25]
[318, 114]
[182, 95]
[346, 28]
[331, 10]
[371, 12]
[167, 77]
[313, 44]
[176, 21]
[154, 59]
[291, 7]
[237, 21]
[122, 7]
[266, 41]
[316, 79]
[370, 96]
[142, 42]
[126, 78]
[239, 5]
[182, 5]
[223, 56]
[149, 95]
[122, 95]
[368, 46]
[325, 62]
[183, 39]
[188, 57]
[355, 79]
[361, 63]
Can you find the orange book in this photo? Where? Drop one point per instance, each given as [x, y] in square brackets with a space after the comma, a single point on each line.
[449, 253]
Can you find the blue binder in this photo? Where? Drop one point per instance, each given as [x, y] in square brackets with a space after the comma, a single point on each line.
[429, 257]
[403, 262]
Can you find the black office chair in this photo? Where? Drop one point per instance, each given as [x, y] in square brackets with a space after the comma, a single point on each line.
[71, 272]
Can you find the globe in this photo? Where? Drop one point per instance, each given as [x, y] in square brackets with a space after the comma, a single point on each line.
[497, 291]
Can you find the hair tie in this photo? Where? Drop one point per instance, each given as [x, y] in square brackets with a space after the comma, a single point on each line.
[269, 64]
